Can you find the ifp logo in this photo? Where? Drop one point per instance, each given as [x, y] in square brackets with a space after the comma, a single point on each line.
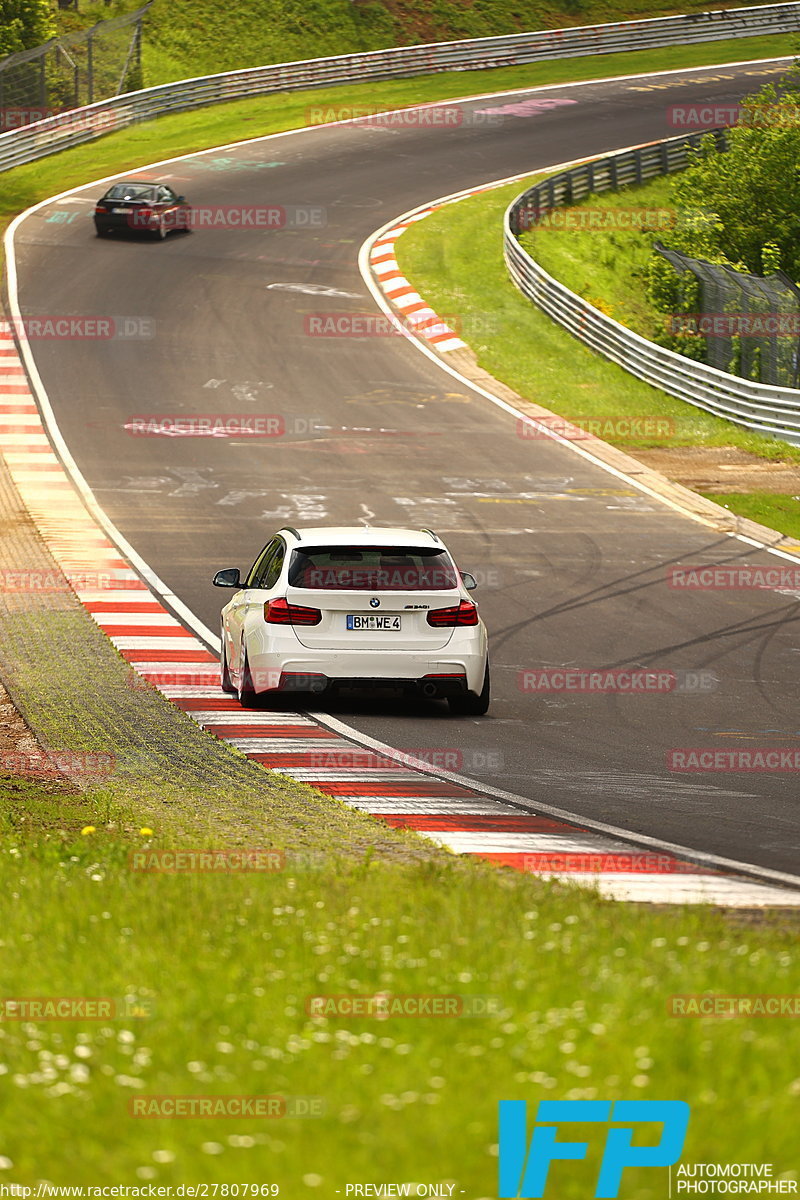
[523, 1170]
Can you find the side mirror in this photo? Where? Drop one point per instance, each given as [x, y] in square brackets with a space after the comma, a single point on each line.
[229, 578]
[469, 581]
[181, 200]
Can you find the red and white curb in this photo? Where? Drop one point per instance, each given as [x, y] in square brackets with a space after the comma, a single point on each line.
[418, 317]
[451, 812]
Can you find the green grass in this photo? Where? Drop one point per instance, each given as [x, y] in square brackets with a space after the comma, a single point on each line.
[607, 265]
[775, 509]
[222, 966]
[454, 259]
[193, 37]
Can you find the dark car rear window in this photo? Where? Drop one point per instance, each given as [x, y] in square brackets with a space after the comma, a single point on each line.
[372, 569]
[130, 191]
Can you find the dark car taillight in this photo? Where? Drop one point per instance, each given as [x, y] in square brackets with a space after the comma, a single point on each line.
[100, 208]
[465, 613]
[280, 612]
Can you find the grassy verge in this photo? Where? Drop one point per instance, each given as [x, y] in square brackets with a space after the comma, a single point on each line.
[221, 968]
[607, 265]
[768, 508]
[192, 37]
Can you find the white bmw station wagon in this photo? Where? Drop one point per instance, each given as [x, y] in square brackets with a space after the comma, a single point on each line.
[328, 608]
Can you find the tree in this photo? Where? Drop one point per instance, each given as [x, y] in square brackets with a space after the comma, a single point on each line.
[750, 195]
[24, 24]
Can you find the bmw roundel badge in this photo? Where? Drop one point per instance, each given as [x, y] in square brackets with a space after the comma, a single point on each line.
[374, 602]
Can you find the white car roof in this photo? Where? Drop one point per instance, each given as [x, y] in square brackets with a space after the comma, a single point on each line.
[364, 535]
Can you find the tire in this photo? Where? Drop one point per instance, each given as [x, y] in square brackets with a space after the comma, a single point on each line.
[245, 691]
[473, 704]
[225, 681]
[100, 232]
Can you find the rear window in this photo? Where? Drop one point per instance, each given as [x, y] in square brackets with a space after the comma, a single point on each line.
[372, 569]
[130, 191]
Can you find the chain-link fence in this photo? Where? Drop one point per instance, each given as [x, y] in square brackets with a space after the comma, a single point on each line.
[70, 71]
[750, 324]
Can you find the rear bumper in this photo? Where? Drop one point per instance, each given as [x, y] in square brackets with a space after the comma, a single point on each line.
[118, 224]
[461, 670]
[432, 687]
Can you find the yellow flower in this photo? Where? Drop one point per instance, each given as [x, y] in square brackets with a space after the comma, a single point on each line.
[87, 829]
[146, 832]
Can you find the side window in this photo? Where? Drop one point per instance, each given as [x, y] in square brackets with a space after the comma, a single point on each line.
[274, 567]
[165, 194]
[261, 565]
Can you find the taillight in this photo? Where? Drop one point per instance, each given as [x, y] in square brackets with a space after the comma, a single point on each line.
[100, 208]
[280, 612]
[466, 613]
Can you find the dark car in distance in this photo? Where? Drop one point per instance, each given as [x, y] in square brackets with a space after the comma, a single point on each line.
[141, 206]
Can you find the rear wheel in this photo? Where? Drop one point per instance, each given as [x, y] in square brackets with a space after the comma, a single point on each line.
[473, 704]
[247, 695]
[226, 683]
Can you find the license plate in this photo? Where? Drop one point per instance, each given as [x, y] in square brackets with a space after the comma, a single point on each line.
[121, 210]
[372, 621]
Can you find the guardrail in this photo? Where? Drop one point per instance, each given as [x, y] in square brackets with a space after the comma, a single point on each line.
[83, 124]
[758, 406]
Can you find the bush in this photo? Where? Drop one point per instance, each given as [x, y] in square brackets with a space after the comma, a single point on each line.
[24, 24]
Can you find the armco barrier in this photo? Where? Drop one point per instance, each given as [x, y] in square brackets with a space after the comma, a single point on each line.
[81, 125]
[758, 406]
